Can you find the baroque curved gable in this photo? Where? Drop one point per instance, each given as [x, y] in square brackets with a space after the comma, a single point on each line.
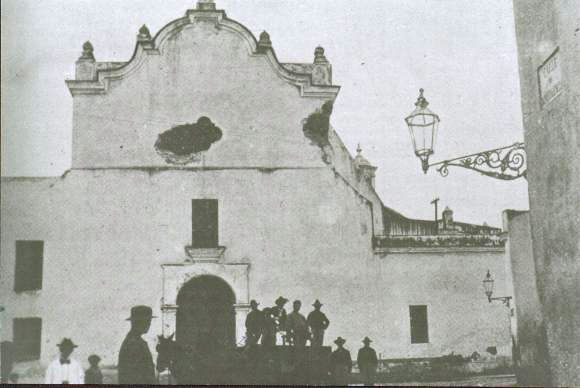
[312, 80]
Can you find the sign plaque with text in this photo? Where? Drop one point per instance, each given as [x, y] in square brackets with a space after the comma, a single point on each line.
[550, 78]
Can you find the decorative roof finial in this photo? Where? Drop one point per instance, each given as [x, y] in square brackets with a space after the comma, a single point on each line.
[205, 5]
[144, 34]
[319, 55]
[87, 51]
[264, 43]
[358, 149]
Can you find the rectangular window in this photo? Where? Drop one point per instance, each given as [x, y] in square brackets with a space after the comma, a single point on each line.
[26, 338]
[28, 271]
[204, 223]
[419, 325]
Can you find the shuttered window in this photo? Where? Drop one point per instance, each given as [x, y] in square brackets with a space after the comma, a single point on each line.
[29, 262]
[27, 333]
[204, 223]
[419, 325]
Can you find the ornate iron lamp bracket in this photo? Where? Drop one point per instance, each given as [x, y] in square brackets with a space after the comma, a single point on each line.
[506, 163]
[504, 299]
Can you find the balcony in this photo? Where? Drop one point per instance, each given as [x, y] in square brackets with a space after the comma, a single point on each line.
[436, 243]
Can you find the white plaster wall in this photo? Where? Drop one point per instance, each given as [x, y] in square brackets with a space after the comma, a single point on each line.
[107, 232]
[304, 232]
[459, 316]
[200, 71]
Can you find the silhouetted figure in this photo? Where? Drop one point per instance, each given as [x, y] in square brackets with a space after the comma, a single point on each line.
[367, 362]
[279, 314]
[254, 324]
[135, 361]
[318, 323]
[93, 375]
[268, 328]
[65, 370]
[340, 363]
[296, 326]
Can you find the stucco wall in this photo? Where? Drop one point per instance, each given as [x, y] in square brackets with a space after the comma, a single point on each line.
[107, 232]
[553, 148]
[198, 69]
[531, 367]
[449, 282]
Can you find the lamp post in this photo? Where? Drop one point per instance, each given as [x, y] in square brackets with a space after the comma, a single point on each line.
[488, 283]
[506, 163]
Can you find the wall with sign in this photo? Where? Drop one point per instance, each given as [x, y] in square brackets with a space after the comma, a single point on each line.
[548, 34]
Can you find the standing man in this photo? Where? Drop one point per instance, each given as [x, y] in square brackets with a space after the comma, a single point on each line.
[279, 314]
[254, 324]
[318, 323]
[268, 329]
[367, 362]
[135, 361]
[65, 370]
[296, 326]
[340, 363]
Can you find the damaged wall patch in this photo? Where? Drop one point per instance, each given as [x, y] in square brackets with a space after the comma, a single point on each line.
[183, 144]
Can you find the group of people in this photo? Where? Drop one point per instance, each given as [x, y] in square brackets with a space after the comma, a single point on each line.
[135, 364]
[66, 370]
[295, 330]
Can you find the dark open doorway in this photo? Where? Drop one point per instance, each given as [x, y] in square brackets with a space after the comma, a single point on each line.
[205, 316]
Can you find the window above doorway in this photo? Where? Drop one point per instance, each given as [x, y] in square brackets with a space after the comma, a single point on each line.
[204, 222]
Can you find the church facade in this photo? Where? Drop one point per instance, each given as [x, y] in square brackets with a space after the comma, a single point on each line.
[205, 174]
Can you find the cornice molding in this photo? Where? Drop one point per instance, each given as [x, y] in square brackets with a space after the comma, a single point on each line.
[104, 72]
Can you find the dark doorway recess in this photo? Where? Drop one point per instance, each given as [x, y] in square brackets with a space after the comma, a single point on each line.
[205, 316]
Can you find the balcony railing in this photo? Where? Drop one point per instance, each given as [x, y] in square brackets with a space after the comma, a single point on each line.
[472, 241]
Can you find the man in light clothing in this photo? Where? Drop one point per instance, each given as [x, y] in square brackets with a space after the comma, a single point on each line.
[65, 370]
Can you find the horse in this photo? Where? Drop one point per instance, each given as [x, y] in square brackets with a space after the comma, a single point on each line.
[172, 357]
[189, 367]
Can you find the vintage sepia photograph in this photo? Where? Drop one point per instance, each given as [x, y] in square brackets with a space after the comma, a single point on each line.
[291, 192]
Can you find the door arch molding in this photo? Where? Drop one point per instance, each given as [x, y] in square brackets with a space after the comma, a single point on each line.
[176, 275]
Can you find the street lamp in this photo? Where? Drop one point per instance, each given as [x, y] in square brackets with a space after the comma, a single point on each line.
[488, 282]
[423, 124]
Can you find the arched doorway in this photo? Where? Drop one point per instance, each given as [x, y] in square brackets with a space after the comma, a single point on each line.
[205, 322]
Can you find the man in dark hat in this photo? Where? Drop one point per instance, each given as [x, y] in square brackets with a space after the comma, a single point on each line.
[135, 360]
[367, 362]
[65, 370]
[318, 323]
[279, 314]
[254, 324]
[340, 363]
[296, 326]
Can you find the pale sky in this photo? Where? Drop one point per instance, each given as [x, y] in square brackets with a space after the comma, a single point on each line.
[463, 53]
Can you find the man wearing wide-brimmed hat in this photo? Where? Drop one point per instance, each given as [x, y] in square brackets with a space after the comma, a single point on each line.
[280, 315]
[318, 323]
[367, 362]
[65, 370]
[340, 363]
[135, 360]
